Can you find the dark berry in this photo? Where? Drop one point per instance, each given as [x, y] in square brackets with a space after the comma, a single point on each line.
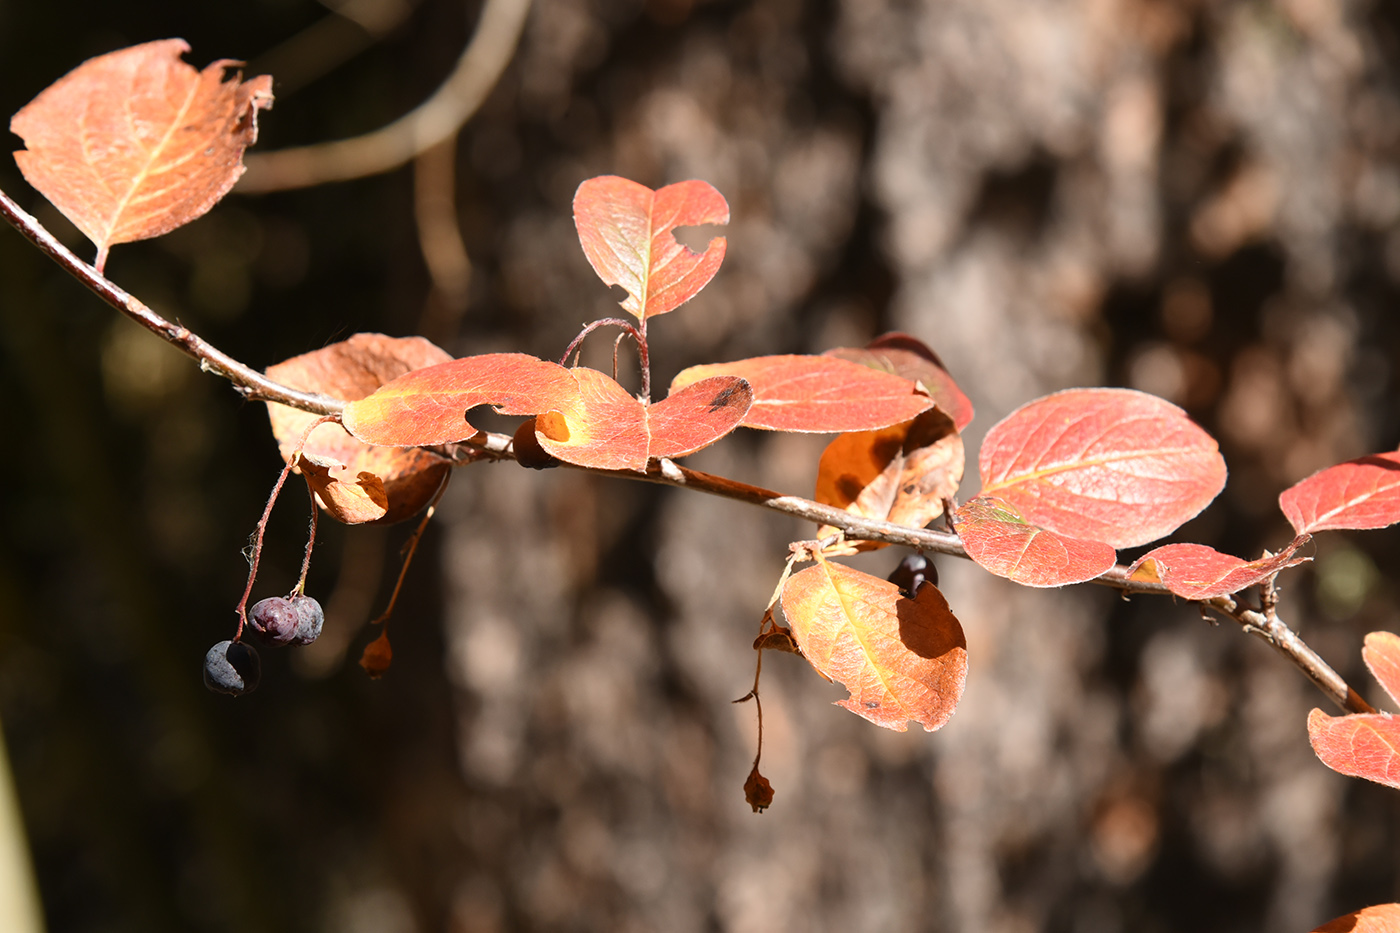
[231, 667]
[275, 620]
[912, 572]
[310, 619]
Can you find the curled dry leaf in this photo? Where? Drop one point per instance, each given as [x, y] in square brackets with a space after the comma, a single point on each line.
[1365, 745]
[1358, 494]
[628, 233]
[1195, 571]
[999, 539]
[135, 143]
[352, 369]
[912, 359]
[351, 497]
[900, 658]
[899, 474]
[1112, 465]
[1380, 918]
[816, 394]
[758, 791]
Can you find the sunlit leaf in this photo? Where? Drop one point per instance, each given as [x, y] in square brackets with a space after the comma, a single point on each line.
[352, 369]
[1365, 745]
[1382, 918]
[135, 143]
[1110, 465]
[898, 474]
[816, 394]
[349, 496]
[998, 538]
[912, 359]
[900, 658]
[1358, 494]
[628, 233]
[1381, 652]
[1195, 571]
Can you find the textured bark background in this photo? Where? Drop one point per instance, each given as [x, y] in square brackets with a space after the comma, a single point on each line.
[1195, 199]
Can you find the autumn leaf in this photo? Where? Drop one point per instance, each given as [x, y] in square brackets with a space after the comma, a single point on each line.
[1358, 494]
[1382, 918]
[900, 658]
[912, 359]
[1194, 571]
[758, 791]
[351, 496]
[628, 233]
[135, 143]
[899, 474]
[1111, 465]
[1365, 745]
[999, 539]
[816, 394]
[352, 369]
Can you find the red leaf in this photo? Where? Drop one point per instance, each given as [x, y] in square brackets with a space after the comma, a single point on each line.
[628, 234]
[1382, 918]
[1110, 465]
[429, 406]
[353, 369]
[898, 474]
[816, 394]
[698, 415]
[1382, 656]
[1000, 540]
[1364, 745]
[1358, 494]
[1195, 571]
[911, 358]
[900, 658]
[135, 143]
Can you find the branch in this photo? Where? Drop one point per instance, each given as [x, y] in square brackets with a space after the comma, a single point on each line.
[251, 383]
[433, 121]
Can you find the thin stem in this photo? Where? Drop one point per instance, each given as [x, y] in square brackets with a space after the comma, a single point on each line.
[248, 381]
[411, 548]
[310, 541]
[440, 116]
[638, 335]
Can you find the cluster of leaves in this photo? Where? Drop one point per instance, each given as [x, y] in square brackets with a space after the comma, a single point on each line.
[135, 143]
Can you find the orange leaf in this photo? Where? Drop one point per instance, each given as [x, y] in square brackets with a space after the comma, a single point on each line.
[899, 474]
[1195, 571]
[347, 495]
[999, 539]
[628, 234]
[1358, 494]
[911, 358]
[352, 369]
[429, 406]
[135, 143]
[816, 394]
[1110, 465]
[1381, 652]
[606, 428]
[1364, 745]
[900, 658]
[1382, 918]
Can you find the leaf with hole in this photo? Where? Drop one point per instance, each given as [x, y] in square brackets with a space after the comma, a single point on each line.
[999, 539]
[1358, 494]
[816, 394]
[1111, 465]
[354, 369]
[628, 233]
[1195, 571]
[900, 658]
[912, 359]
[135, 143]
[898, 474]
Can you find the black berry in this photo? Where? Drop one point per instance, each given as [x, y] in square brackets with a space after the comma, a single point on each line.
[912, 572]
[275, 620]
[310, 618]
[231, 667]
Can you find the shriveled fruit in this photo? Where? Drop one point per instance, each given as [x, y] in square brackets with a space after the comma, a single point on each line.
[310, 618]
[232, 667]
[275, 620]
[912, 572]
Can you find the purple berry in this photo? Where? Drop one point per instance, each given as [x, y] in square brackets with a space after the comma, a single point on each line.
[912, 572]
[231, 667]
[310, 619]
[275, 620]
